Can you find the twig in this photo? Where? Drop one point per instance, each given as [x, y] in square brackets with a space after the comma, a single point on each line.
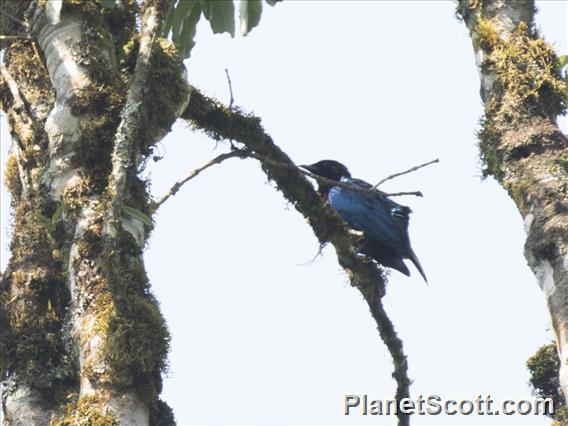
[332, 182]
[175, 188]
[406, 171]
[398, 194]
[230, 88]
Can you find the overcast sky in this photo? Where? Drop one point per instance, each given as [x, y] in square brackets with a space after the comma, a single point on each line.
[263, 335]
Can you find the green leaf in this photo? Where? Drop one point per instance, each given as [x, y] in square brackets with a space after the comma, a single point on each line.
[186, 39]
[53, 11]
[220, 14]
[169, 19]
[249, 15]
[137, 214]
[183, 10]
[108, 4]
[273, 2]
[563, 61]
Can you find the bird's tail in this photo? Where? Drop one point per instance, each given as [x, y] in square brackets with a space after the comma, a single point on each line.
[414, 259]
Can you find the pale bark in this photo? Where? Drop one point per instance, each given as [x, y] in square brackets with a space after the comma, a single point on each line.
[521, 142]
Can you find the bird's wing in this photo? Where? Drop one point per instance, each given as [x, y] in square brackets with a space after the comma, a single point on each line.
[377, 216]
[400, 213]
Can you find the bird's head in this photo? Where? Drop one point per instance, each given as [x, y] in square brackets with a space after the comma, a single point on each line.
[329, 169]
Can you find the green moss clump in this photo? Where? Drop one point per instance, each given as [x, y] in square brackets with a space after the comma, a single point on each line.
[526, 67]
[528, 84]
[88, 410]
[134, 334]
[544, 368]
[137, 345]
[12, 176]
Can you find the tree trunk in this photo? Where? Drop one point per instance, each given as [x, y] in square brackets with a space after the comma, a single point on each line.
[83, 339]
[520, 142]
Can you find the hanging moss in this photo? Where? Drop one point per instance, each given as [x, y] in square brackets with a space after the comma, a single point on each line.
[88, 410]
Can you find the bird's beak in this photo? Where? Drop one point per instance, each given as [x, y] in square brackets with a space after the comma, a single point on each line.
[308, 168]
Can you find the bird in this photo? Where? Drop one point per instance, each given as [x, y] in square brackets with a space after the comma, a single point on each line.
[383, 222]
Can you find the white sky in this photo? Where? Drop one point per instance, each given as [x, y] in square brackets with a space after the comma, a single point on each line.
[259, 336]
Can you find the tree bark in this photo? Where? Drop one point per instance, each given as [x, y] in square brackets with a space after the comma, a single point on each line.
[83, 338]
[520, 142]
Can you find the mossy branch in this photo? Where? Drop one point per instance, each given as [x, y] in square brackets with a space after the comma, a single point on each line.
[131, 117]
[221, 122]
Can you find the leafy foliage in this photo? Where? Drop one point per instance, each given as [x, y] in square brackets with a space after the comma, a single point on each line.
[183, 16]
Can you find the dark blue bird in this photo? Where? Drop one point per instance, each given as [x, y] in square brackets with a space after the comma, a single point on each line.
[383, 222]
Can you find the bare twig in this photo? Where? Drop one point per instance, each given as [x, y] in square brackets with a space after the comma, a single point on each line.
[230, 88]
[328, 181]
[398, 194]
[406, 171]
[175, 188]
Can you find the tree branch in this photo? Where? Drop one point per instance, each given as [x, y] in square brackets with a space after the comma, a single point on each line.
[220, 122]
[176, 187]
[130, 124]
[413, 169]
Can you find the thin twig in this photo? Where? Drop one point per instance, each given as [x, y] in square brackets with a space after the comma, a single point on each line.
[230, 88]
[398, 194]
[332, 182]
[406, 171]
[176, 187]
